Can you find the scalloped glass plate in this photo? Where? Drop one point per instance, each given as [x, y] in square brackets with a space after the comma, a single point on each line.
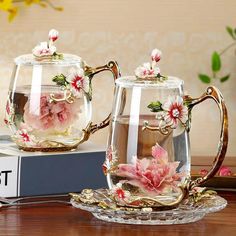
[185, 213]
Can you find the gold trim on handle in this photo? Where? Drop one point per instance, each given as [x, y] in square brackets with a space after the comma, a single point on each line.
[92, 128]
[213, 93]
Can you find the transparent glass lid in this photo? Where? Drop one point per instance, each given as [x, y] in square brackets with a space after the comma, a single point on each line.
[46, 53]
[133, 81]
[30, 59]
[148, 75]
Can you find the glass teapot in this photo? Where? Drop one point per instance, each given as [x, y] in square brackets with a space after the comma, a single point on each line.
[49, 100]
[148, 158]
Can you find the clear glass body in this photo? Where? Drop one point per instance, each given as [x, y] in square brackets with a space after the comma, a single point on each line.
[145, 161]
[37, 122]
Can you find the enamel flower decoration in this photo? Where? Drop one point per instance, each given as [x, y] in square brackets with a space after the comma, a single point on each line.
[44, 49]
[152, 175]
[53, 35]
[47, 50]
[110, 162]
[151, 70]
[24, 138]
[120, 194]
[175, 111]
[156, 55]
[170, 113]
[9, 114]
[78, 82]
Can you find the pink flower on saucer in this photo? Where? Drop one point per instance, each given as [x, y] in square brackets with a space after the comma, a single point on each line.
[78, 82]
[51, 116]
[119, 193]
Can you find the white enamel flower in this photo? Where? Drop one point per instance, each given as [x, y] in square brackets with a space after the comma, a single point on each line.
[78, 82]
[44, 49]
[175, 111]
[53, 35]
[156, 55]
[147, 71]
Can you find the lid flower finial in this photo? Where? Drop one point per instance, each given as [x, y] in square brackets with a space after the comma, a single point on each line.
[53, 35]
[151, 71]
[47, 50]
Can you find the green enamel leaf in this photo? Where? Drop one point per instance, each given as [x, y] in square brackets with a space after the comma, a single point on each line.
[155, 106]
[230, 31]
[60, 80]
[215, 62]
[204, 78]
[225, 78]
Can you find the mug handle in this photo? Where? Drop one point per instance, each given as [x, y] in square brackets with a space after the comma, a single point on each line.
[212, 93]
[113, 67]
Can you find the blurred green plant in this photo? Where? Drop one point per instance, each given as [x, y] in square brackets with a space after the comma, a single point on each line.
[216, 63]
[11, 6]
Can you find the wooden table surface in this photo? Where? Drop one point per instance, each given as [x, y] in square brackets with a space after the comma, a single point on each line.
[59, 219]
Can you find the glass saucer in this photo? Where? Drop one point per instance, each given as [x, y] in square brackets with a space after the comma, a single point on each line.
[186, 212]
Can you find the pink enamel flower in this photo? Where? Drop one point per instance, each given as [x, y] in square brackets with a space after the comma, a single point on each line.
[44, 49]
[156, 55]
[53, 35]
[78, 82]
[152, 176]
[147, 71]
[175, 111]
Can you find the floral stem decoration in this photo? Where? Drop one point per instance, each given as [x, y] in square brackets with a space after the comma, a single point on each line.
[73, 85]
[216, 62]
[170, 113]
[47, 50]
[11, 6]
[151, 71]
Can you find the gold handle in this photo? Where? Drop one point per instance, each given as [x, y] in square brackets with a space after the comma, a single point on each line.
[114, 68]
[213, 93]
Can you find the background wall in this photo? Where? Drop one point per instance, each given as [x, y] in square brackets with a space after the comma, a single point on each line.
[186, 31]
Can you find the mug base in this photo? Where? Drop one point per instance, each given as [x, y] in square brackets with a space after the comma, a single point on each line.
[48, 149]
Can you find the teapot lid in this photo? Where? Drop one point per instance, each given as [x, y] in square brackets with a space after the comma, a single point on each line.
[46, 53]
[149, 75]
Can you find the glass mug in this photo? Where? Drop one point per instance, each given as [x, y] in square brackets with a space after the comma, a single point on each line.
[49, 102]
[148, 158]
